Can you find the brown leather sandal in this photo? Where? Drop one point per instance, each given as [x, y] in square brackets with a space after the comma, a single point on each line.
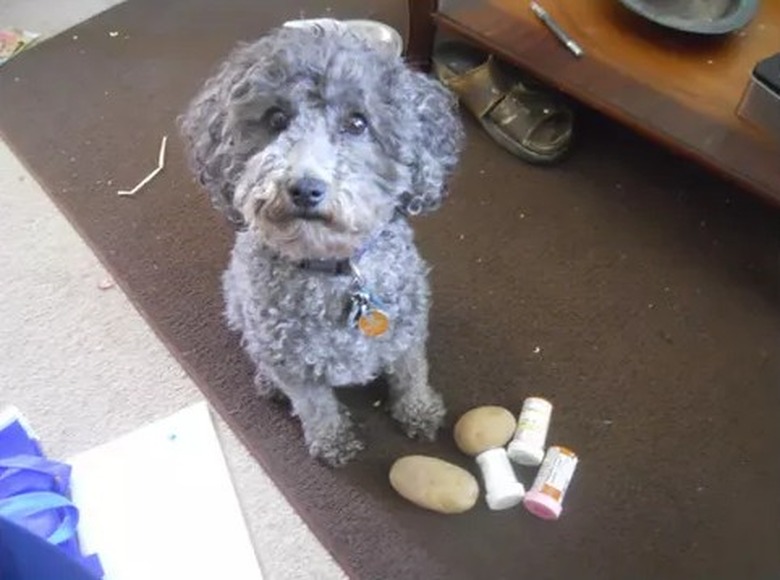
[521, 116]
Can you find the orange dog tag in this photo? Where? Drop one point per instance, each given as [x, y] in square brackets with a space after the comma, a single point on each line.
[374, 323]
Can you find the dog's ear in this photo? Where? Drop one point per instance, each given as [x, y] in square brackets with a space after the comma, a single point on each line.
[207, 138]
[436, 141]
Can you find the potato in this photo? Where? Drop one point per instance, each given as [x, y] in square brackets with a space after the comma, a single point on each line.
[434, 484]
[484, 428]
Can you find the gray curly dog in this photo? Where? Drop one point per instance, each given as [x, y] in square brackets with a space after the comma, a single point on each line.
[318, 146]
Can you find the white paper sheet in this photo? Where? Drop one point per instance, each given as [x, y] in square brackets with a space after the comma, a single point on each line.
[159, 503]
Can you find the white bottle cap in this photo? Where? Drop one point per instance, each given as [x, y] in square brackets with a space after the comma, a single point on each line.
[525, 453]
[502, 490]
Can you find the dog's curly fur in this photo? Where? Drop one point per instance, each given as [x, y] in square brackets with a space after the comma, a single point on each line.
[381, 140]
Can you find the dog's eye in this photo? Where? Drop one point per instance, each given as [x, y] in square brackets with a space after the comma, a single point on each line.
[355, 124]
[276, 119]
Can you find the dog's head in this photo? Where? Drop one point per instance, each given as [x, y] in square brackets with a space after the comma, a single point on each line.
[315, 139]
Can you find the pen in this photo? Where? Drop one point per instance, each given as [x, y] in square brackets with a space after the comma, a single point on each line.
[555, 28]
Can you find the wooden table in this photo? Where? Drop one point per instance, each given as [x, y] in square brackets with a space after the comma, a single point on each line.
[680, 90]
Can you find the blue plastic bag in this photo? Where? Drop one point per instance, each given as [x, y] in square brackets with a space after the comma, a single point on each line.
[25, 556]
[35, 498]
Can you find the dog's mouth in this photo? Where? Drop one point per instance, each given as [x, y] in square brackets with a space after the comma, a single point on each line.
[288, 217]
[311, 215]
[280, 214]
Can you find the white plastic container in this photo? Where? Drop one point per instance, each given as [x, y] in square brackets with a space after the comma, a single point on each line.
[545, 498]
[381, 35]
[502, 490]
[527, 446]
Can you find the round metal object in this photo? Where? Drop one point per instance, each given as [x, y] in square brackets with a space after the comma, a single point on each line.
[696, 16]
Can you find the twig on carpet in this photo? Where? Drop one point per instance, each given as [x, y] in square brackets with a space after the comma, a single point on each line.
[148, 178]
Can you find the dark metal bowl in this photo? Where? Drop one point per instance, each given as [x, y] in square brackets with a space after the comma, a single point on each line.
[696, 16]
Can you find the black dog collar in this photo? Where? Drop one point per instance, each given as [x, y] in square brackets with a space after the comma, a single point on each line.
[335, 267]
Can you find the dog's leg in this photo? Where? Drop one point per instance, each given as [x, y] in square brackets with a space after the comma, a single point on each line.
[414, 403]
[327, 427]
[233, 300]
[266, 386]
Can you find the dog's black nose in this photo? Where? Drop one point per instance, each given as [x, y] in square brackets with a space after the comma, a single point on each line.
[308, 192]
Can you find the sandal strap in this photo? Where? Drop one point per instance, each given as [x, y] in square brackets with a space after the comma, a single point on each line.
[529, 109]
[480, 89]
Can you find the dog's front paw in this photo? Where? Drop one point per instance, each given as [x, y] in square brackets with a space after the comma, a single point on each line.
[334, 443]
[420, 414]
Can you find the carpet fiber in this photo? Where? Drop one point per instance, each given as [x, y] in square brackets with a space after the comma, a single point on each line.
[639, 294]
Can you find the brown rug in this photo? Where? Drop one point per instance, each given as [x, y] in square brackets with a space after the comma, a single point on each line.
[639, 294]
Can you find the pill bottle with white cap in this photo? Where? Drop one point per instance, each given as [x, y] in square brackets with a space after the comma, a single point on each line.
[502, 489]
[527, 446]
[545, 498]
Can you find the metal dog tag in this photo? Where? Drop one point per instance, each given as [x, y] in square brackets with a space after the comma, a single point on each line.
[374, 322]
[365, 313]
[358, 306]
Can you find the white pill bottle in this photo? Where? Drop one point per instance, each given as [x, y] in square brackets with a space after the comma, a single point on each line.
[545, 498]
[527, 446]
